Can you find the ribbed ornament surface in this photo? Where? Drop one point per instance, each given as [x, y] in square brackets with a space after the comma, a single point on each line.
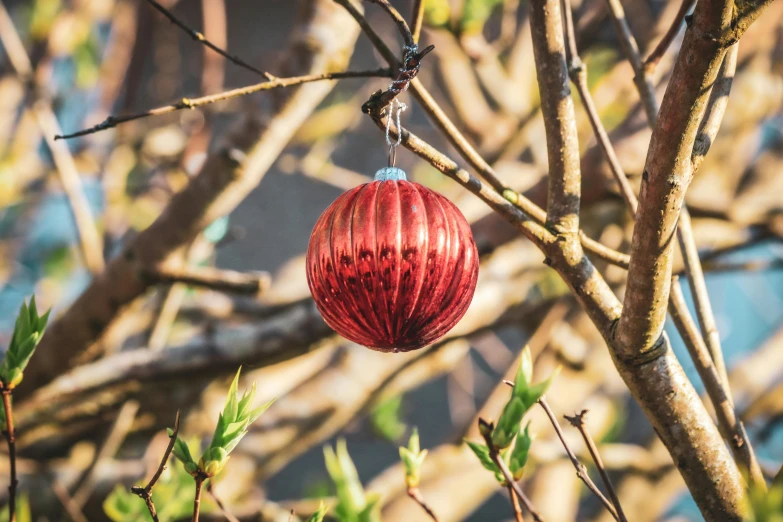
[392, 265]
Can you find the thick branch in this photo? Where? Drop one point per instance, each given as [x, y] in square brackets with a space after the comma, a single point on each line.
[557, 108]
[667, 173]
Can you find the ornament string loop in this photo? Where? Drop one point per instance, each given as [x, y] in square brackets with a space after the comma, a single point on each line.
[395, 109]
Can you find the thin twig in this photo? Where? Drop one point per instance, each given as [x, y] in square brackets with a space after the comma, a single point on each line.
[652, 61]
[486, 431]
[581, 470]
[416, 495]
[402, 25]
[192, 103]
[197, 497]
[226, 513]
[228, 281]
[197, 36]
[10, 437]
[145, 492]
[578, 73]
[578, 422]
[515, 504]
[701, 299]
[418, 19]
[730, 425]
[631, 51]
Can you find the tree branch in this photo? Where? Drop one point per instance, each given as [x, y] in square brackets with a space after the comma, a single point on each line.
[718, 393]
[557, 108]
[581, 470]
[418, 19]
[578, 421]
[192, 103]
[652, 61]
[145, 493]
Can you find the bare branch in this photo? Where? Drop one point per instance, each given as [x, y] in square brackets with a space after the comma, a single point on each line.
[418, 19]
[677, 307]
[652, 61]
[578, 73]
[631, 51]
[709, 328]
[197, 36]
[581, 470]
[416, 495]
[716, 107]
[192, 103]
[10, 437]
[402, 25]
[731, 426]
[145, 492]
[578, 421]
[557, 108]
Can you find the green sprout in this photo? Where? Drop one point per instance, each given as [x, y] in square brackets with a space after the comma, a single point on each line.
[523, 396]
[509, 444]
[412, 458]
[28, 330]
[232, 425]
[353, 505]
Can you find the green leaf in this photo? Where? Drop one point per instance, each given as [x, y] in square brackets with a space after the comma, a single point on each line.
[482, 453]
[254, 414]
[182, 452]
[535, 392]
[519, 455]
[508, 423]
[352, 504]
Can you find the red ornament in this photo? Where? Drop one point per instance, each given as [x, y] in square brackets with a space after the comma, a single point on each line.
[392, 265]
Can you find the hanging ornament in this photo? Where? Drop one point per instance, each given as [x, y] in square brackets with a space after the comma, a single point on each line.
[391, 264]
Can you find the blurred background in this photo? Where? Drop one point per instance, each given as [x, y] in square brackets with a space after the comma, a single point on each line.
[92, 58]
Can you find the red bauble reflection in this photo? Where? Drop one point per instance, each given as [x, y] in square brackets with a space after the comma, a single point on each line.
[392, 265]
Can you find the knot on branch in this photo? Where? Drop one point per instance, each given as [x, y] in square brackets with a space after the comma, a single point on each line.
[411, 63]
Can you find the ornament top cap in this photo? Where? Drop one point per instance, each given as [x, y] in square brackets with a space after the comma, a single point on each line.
[390, 174]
